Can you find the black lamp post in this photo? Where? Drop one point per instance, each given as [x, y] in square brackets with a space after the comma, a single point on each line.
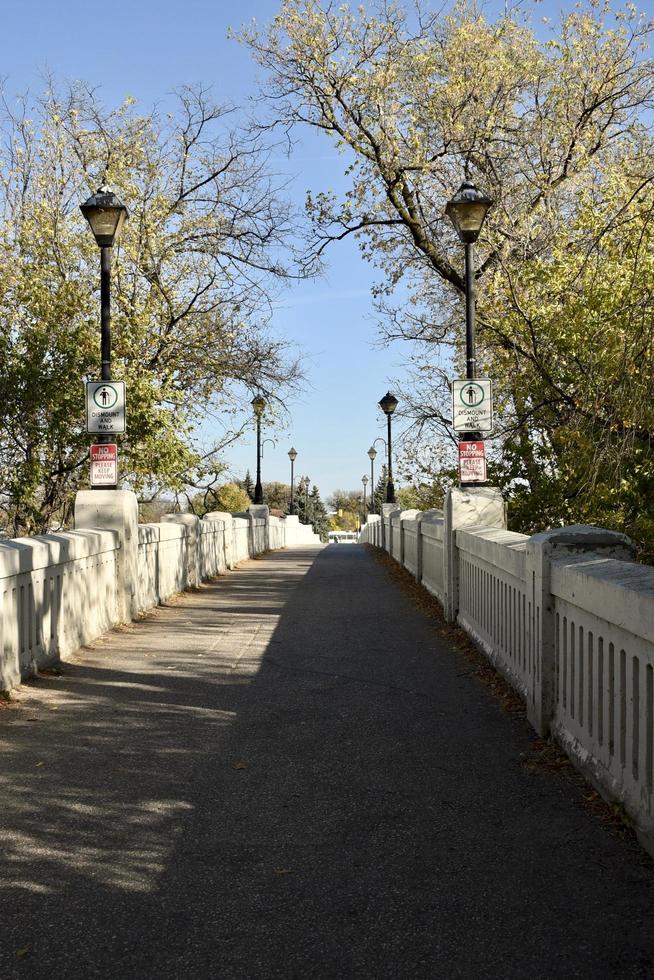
[372, 455]
[106, 216]
[467, 211]
[258, 404]
[364, 480]
[292, 455]
[306, 499]
[388, 404]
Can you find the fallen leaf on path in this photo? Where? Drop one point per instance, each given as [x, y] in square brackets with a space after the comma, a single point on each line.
[23, 951]
[283, 871]
[239, 765]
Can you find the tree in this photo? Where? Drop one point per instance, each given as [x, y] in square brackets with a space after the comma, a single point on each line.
[277, 495]
[379, 495]
[193, 275]
[551, 130]
[346, 500]
[230, 497]
[319, 520]
[300, 502]
[247, 484]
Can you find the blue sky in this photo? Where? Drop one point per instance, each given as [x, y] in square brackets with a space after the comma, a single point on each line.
[145, 49]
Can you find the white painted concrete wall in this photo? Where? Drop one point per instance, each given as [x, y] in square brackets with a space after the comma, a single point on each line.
[45, 583]
[565, 616]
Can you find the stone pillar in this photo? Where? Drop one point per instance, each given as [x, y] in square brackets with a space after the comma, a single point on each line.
[192, 524]
[115, 510]
[387, 536]
[541, 550]
[406, 515]
[419, 518]
[261, 512]
[466, 507]
[220, 515]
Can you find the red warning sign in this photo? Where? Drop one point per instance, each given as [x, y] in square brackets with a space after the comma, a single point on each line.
[472, 462]
[104, 465]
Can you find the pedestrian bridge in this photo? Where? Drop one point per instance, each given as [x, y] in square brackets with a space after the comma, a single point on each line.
[566, 616]
[288, 771]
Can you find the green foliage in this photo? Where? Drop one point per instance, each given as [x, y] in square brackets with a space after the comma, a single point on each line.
[318, 514]
[422, 496]
[191, 276]
[247, 483]
[277, 495]
[230, 498]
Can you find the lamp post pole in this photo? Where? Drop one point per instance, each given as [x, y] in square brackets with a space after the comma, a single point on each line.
[105, 315]
[388, 404]
[258, 404]
[292, 455]
[364, 480]
[471, 356]
[306, 499]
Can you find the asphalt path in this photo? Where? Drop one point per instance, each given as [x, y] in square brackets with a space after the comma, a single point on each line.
[288, 773]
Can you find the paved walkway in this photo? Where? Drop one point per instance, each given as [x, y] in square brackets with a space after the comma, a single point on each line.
[286, 774]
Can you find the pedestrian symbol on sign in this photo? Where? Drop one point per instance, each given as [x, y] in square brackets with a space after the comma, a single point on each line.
[105, 397]
[472, 394]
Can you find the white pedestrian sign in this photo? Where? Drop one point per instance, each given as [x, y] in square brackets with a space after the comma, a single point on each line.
[105, 406]
[472, 405]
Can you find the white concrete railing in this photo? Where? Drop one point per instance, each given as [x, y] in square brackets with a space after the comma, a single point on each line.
[568, 619]
[60, 591]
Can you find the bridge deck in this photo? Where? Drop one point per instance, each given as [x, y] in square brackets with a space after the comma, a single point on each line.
[288, 774]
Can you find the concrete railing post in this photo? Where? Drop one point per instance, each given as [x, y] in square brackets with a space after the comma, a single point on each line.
[541, 550]
[116, 510]
[193, 531]
[470, 507]
[405, 515]
[261, 512]
[387, 533]
[419, 516]
[228, 534]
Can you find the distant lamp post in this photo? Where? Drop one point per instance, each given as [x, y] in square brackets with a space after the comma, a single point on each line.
[467, 211]
[388, 404]
[372, 455]
[306, 499]
[258, 404]
[364, 480]
[106, 216]
[292, 455]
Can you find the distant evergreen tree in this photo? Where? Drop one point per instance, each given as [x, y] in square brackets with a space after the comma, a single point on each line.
[299, 502]
[318, 514]
[247, 484]
[379, 496]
